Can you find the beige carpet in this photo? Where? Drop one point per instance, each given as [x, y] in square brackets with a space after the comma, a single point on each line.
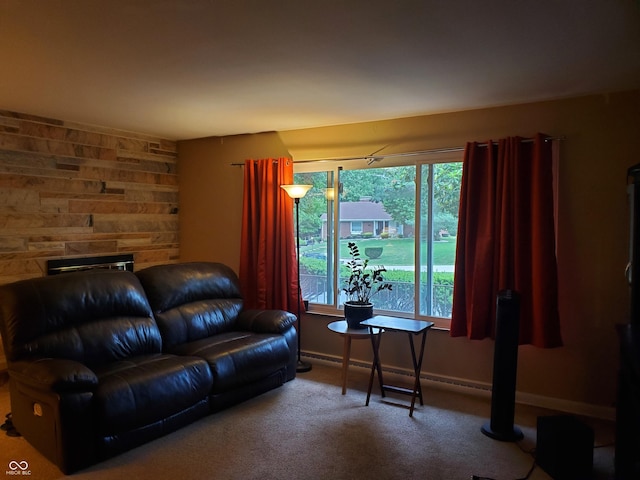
[308, 430]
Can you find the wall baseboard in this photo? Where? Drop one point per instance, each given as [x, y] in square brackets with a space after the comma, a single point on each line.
[481, 389]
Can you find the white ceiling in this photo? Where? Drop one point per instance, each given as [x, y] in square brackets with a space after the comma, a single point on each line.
[184, 69]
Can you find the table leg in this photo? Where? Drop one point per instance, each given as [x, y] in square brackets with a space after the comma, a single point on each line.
[417, 367]
[375, 343]
[346, 355]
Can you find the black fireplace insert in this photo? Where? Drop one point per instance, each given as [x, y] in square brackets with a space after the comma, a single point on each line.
[108, 262]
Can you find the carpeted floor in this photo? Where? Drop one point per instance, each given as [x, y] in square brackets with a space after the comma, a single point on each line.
[308, 430]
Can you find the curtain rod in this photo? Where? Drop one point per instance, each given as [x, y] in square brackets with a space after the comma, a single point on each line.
[376, 158]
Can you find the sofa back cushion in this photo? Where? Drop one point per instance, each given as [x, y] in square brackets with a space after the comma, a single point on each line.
[93, 317]
[192, 300]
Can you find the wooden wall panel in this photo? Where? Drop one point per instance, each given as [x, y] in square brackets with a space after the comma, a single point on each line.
[71, 190]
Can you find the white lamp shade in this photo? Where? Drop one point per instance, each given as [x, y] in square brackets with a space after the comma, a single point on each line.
[330, 193]
[296, 191]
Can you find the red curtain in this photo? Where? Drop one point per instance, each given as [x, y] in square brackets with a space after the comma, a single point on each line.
[268, 269]
[506, 240]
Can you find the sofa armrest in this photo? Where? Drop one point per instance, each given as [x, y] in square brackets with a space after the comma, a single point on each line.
[55, 374]
[265, 321]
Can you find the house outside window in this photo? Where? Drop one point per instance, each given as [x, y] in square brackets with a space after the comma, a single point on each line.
[401, 215]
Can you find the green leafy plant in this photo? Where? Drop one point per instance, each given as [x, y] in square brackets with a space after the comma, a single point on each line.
[363, 284]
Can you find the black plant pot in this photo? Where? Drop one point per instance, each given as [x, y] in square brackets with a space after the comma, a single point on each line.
[354, 313]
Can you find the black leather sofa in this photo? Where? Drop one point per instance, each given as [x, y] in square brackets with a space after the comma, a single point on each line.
[198, 308]
[102, 361]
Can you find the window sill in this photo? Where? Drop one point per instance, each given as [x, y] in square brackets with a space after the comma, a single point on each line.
[440, 324]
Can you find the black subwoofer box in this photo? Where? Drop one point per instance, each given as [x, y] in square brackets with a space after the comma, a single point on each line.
[564, 447]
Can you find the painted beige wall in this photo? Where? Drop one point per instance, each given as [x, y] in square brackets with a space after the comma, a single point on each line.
[211, 193]
[600, 134]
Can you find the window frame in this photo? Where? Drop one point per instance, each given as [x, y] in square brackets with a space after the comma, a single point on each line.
[400, 160]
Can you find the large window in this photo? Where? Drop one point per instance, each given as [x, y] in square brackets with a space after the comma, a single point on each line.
[401, 216]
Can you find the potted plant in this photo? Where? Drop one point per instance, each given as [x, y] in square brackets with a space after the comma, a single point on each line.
[360, 287]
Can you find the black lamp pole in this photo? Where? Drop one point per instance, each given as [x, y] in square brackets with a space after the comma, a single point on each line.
[297, 192]
[301, 366]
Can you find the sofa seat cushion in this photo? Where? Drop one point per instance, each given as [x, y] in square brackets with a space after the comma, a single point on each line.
[139, 391]
[238, 358]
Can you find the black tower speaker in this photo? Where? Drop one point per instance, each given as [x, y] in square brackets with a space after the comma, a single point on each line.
[505, 367]
[564, 447]
[633, 267]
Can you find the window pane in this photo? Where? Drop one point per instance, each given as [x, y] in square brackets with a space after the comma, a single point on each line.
[380, 202]
[316, 238]
[439, 200]
[376, 208]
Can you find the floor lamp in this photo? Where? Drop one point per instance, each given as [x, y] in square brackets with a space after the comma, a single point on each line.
[297, 192]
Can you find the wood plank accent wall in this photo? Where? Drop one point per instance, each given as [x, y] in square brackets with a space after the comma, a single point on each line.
[70, 190]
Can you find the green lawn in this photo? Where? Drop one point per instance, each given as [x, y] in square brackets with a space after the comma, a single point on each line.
[395, 251]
